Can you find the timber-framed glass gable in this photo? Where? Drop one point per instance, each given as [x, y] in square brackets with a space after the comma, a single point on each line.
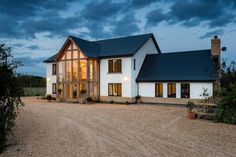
[77, 75]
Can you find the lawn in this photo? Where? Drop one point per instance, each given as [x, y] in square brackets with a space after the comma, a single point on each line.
[65, 129]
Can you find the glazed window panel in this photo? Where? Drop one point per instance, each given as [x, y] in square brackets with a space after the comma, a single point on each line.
[185, 90]
[75, 54]
[82, 89]
[83, 70]
[81, 55]
[91, 72]
[114, 89]
[171, 90]
[114, 66]
[75, 89]
[68, 71]
[68, 55]
[75, 70]
[159, 90]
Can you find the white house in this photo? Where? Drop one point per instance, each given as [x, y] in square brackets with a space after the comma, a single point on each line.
[120, 69]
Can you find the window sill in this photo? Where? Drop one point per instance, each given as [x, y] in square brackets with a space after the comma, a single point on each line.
[114, 73]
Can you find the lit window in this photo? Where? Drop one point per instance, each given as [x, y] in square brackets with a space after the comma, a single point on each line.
[114, 89]
[114, 66]
[171, 90]
[159, 89]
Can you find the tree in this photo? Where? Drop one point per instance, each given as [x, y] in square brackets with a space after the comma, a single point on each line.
[226, 106]
[9, 94]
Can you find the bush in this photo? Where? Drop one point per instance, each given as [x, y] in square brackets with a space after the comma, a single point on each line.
[89, 99]
[49, 97]
[226, 107]
[111, 102]
[138, 97]
[10, 92]
[190, 106]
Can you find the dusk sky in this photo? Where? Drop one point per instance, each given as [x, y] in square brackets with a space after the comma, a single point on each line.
[37, 29]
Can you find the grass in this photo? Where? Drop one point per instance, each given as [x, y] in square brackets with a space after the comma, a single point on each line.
[34, 91]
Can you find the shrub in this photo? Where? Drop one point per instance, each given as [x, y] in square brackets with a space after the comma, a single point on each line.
[111, 102]
[49, 97]
[89, 99]
[226, 107]
[10, 92]
[190, 106]
[138, 97]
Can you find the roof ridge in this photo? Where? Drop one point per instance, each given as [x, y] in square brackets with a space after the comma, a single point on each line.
[123, 37]
[85, 40]
[186, 51]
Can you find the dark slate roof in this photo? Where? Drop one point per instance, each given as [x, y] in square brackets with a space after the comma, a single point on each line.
[91, 49]
[178, 66]
[117, 47]
[51, 59]
[125, 46]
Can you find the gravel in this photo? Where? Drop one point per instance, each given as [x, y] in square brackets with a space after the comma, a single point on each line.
[98, 130]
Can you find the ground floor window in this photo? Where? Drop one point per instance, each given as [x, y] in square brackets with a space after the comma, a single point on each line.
[114, 89]
[185, 90]
[159, 90]
[54, 88]
[171, 90]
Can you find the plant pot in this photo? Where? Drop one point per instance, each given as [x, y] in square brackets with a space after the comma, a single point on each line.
[192, 115]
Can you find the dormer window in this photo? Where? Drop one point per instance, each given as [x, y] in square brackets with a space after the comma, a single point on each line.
[114, 66]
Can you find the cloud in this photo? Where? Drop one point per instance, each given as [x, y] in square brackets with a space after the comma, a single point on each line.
[33, 47]
[126, 25]
[212, 33]
[136, 4]
[215, 13]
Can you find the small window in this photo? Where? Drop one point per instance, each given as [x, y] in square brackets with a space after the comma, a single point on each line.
[185, 90]
[54, 88]
[134, 64]
[114, 89]
[54, 69]
[114, 66]
[171, 90]
[159, 89]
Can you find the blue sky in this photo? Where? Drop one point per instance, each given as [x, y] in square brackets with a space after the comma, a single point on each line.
[37, 29]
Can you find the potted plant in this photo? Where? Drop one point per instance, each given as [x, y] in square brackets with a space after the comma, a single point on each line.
[138, 99]
[89, 100]
[49, 97]
[190, 106]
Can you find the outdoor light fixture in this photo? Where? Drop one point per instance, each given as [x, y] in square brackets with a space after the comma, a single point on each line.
[126, 79]
[48, 79]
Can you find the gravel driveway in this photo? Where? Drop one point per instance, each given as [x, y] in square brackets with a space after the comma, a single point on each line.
[61, 129]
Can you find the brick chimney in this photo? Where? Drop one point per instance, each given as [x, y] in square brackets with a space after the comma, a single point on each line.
[215, 47]
[215, 51]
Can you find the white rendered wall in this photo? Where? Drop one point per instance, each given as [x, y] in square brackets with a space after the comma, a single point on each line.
[196, 89]
[50, 78]
[123, 77]
[147, 89]
[148, 48]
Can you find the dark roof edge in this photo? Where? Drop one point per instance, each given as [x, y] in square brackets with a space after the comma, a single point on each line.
[155, 43]
[149, 81]
[186, 51]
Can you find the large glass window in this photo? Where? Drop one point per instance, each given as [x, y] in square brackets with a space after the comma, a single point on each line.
[159, 89]
[171, 90]
[114, 66]
[75, 70]
[114, 89]
[83, 70]
[68, 70]
[185, 90]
